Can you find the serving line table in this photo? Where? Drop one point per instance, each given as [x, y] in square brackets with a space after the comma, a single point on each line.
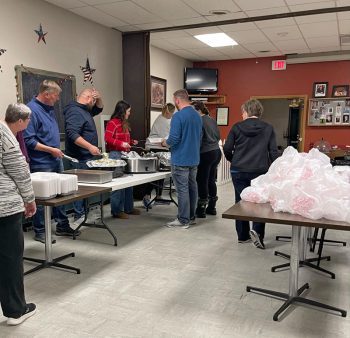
[248, 211]
[82, 193]
[123, 182]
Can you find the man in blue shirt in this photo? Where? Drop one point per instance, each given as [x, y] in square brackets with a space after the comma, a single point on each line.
[184, 141]
[42, 139]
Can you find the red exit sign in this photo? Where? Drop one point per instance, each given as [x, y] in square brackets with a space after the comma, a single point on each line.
[279, 65]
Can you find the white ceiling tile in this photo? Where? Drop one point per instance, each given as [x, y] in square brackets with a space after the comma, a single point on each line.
[319, 29]
[341, 3]
[164, 44]
[191, 21]
[345, 47]
[236, 52]
[207, 52]
[188, 55]
[329, 41]
[268, 11]
[248, 5]
[275, 23]
[301, 2]
[203, 30]
[343, 15]
[166, 9]
[250, 36]
[259, 46]
[296, 51]
[189, 42]
[129, 12]
[96, 15]
[291, 45]
[245, 26]
[99, 2]
[268, 54]
[67, 4]
[153, 25]
[127, 28]
[316, 18]
[282, 33]
[344, 26]
[229, 16]
[169, 35]
[324, 49]
[204, 7]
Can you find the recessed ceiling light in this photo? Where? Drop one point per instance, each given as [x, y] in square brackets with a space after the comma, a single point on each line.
[216, 39]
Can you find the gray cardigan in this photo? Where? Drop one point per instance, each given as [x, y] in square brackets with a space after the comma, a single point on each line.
[15, 183]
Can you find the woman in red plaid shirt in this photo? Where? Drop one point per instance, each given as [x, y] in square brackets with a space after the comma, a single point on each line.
[117, 138]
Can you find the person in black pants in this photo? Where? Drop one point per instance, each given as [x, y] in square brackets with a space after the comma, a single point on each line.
[210, 156]
[16, 196]
[251, 148]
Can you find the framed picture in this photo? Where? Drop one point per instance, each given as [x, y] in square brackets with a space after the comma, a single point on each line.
[320, 89]
[346, 118]
[222, 116]
[158, 92]
[340, 91]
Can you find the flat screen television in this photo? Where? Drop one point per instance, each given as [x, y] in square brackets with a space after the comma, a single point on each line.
[201, 80]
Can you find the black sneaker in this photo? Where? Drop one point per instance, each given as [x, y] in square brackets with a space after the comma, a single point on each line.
[67, 232]
[41, 238]
[257, 241]
[30, 311]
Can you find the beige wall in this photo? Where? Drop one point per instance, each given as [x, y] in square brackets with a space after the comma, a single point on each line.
[70, 39]
[170, 67]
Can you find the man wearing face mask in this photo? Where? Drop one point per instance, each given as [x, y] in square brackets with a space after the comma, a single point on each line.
[81, 134]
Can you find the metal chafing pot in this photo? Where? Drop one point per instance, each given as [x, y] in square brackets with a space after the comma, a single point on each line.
[141, 165]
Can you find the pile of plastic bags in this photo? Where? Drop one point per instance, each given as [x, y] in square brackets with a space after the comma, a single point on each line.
[304, 184]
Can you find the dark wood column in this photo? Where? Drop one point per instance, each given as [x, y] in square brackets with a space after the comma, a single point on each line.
[136, 82]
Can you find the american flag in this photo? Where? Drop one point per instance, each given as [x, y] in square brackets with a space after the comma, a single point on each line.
[87, 71]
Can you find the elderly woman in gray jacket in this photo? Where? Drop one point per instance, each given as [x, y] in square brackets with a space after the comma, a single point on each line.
[16, 198]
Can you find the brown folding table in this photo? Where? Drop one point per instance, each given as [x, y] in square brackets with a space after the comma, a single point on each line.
[82, 193]
[247, 211]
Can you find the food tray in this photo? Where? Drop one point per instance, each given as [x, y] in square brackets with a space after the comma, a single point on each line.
[91, 176]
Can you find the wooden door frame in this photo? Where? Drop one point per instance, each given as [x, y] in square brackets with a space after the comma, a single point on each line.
[303, 113]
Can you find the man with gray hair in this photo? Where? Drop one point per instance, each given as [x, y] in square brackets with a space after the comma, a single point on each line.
[184, 141]
[251, 148]
[81, 135]
[42, 139]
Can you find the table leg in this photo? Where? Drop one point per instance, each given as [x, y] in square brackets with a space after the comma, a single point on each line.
[293, 296]
[101, 225]
[48, 261]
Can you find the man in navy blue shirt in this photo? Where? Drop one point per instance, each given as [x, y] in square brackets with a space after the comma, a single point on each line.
[81, 135]
[42, 139]
[184, 141]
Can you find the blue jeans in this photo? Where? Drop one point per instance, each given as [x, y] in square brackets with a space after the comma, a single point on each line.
[121, 200]
[187, 193]
[59, 213]
[241, 181]
[78, 206]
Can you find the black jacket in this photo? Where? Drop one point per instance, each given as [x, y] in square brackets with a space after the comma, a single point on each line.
[210, 134]
[251, 146]
[79, 122]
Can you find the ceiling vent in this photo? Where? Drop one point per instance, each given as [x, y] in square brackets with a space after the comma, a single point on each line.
[219, 12]
[345, 40]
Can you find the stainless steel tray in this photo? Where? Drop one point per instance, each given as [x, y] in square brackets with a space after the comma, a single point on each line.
[141, 165]
[91, 176]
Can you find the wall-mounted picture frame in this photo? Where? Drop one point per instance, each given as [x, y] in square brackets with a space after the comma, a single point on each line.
[158, 92]
[320, 89]
[222, 116]
[340, 91]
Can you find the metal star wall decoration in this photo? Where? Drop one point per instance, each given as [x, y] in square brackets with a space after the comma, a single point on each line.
[2, 51]
[41, 34]
[88, 71]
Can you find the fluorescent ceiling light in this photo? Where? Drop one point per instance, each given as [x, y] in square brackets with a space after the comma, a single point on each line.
[216, 40]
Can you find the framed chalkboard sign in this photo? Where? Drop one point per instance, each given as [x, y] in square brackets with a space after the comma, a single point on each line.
[28, 82]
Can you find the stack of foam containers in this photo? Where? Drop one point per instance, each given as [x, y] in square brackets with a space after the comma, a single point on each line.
[48, 185]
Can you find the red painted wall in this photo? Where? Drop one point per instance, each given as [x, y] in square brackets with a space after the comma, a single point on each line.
[241, 79]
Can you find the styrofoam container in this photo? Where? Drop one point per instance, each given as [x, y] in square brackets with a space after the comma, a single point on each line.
[48, 185]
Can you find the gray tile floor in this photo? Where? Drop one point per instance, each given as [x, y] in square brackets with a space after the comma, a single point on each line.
[162, 282]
